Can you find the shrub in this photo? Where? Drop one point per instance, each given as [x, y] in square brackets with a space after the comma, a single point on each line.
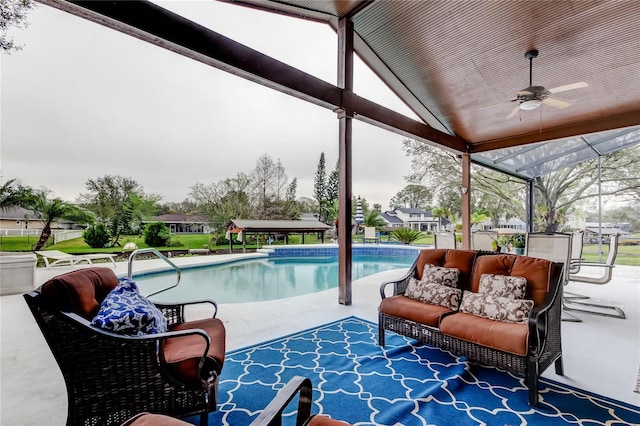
[219, 240]
[157, 235]
[406, 235]
[97, 236]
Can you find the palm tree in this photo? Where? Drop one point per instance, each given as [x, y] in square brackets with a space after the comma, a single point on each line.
[50, 210]
[406, 235]
[13, 195]
[373, 218]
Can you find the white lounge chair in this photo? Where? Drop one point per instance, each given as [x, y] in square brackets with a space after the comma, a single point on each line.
[64, 259]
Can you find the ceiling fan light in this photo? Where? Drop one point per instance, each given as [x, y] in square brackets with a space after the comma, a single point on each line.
[530, 105]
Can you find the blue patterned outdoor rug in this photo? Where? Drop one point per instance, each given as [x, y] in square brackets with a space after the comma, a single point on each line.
[357, 381]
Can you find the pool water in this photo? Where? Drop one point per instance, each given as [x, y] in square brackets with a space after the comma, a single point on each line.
[263, 279]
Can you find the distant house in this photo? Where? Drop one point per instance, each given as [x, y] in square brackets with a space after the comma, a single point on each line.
[414, 218]
[17, 218]
[184, 223]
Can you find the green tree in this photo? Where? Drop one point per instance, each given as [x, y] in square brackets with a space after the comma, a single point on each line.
[13, 13]
[333, 185]
[49, 211]
[223, 200]
[320, 188]
[556, 194]
[373, 218]
[12, 194]
[412, 196]
[120, 202]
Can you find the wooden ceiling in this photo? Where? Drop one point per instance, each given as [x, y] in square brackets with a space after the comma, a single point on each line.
[450, 61]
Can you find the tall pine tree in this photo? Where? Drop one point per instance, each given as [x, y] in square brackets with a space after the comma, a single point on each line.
[320, 188]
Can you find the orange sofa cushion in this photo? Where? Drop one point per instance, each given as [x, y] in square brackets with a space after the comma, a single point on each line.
[536, 271]
[448, 258]
[504, 336]
[404, 307]
[80, 291]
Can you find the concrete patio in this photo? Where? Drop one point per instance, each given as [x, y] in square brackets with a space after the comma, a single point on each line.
[601, 354]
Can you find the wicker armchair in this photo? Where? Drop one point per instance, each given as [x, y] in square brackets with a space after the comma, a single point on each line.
[111, 377]
[297, 386]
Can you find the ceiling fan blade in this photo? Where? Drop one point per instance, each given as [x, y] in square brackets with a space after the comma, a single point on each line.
[566, 87]
[513, 112]
[496, 104]
[556, 103]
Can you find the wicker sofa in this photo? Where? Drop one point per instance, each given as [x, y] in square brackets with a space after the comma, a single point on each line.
[525, 348]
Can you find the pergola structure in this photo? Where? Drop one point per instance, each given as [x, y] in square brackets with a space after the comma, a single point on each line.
[275, 227]
[459, 66]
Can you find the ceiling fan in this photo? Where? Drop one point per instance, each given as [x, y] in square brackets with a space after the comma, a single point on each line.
[533, 96]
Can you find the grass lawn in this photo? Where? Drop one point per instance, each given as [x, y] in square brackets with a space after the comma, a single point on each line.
[627, 254]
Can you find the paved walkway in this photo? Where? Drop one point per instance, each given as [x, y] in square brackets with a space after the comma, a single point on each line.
[601, 354]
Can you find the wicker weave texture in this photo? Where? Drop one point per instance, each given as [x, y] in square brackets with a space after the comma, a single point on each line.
[111, 379]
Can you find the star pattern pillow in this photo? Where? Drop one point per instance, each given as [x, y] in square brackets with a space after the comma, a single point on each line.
[126, 311]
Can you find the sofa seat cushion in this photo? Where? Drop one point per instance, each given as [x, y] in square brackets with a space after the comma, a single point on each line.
[182, 354]
[414, 310]
[504, 336]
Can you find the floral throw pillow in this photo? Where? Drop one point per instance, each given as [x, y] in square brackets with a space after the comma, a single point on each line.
[439, 275]
[436, 294]
[503, 286]
[496, 307]
[126, 311]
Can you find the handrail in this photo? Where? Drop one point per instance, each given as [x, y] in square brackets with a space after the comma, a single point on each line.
[160, 256]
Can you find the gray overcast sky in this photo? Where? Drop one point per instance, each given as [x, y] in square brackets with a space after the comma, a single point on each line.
[82, 101]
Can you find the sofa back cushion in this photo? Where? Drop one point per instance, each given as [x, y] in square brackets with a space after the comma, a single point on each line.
[448, 258]
[80, 291]
[536, 271]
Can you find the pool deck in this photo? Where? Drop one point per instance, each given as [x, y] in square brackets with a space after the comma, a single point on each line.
[601, 354]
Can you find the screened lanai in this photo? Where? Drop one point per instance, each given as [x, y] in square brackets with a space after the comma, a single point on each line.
[521, 87]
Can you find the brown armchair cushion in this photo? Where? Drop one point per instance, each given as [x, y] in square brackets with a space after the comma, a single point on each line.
[80, 291]
[182, 354]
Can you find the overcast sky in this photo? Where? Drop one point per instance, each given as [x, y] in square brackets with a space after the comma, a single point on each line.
[83, 101]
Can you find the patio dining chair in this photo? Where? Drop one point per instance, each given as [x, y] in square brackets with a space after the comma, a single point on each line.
[445, 240]
[483, 240]
[556, 247]
[111, 376]
[594, 273]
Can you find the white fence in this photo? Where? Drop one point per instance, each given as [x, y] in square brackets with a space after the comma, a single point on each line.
[58, 236]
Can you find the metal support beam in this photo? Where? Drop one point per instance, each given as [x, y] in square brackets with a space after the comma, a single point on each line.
[466, 201]
[345, 81]
[530, 205]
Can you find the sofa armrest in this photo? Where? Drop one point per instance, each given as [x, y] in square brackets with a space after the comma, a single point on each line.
[400, 285]
[539, 326]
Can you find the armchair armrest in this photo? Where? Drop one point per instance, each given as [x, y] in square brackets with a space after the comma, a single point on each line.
[157, 337]
[272, 414]
[175, 311]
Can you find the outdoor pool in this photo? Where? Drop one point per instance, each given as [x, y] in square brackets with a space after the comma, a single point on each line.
[266, 278]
